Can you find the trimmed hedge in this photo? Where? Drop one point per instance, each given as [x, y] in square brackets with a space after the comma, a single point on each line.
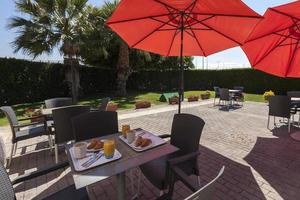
[254, 81]
[24, 81]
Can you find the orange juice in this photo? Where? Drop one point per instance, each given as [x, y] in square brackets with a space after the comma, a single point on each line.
[125, 130]
[109, 148]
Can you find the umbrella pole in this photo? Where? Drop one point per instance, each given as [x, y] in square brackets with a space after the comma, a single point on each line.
[181, 76]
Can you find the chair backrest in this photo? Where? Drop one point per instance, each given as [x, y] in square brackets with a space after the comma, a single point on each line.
[95, 124]
[280, 106]
[224, 94]
[207, 192]
[104, 103]
[293, 93]
[63, 124]
[6, 187]
[12, 118]
[186, 132]
[217, 91]
[241, 88]
[58, 102]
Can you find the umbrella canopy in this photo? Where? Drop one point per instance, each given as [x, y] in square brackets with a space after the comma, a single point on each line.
[183, 27]
[273, 46]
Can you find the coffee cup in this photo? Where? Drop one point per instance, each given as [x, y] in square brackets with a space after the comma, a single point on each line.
[80, 150]
[130, 136]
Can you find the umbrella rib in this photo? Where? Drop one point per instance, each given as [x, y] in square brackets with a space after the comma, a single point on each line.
[228, 15]
[197, 22]
[166, 5]
[269, 34]
[163, 21]
[269, 52]
[135, 19]
[194, 36]
[282, 45]
[292, 58]
[193, 4]
[291, 37]
[153, 32]
[224, 35]
[175, 33]
[285, 14]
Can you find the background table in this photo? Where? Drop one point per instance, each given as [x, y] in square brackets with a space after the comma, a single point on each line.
[129, 160]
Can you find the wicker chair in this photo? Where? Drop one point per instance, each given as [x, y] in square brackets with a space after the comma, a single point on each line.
[24, 131]
[70, 192]
[185, 135]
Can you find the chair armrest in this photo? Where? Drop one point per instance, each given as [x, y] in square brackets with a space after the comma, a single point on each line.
[180, 159]
[164, 136]
[40, 172]
[26, 124]
[183, 177]
[34, 117]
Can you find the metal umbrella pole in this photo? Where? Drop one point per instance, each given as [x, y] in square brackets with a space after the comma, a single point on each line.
[181, 73]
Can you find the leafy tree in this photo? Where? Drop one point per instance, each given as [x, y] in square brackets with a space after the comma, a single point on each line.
[102, 47]
[49, 24]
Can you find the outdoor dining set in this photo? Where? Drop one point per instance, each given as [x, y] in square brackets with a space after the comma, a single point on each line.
[229, 98]
[97, 150]
[285, 107]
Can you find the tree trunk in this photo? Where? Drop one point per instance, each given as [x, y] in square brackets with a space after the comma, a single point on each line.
[123, 69]
[72, 76]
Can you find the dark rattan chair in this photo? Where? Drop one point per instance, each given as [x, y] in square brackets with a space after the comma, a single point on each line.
[217, 94]
[104, 103]
[63, 124]
[225, 97]
[206, 192]
[185, 135]
[280, 106]
[95, 124]
[58, 102]
[70, 192]
[25, 130]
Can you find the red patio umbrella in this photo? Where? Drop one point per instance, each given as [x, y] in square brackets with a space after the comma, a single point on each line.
[273, 45]
[183, 27]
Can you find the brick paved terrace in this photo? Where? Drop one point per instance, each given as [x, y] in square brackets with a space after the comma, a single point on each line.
[260, 164]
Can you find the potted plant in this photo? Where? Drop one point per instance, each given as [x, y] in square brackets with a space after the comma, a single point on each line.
[268, 94]
[112, 107]
[205, 95]
[142, 104]
[173, 100]
[193, 98]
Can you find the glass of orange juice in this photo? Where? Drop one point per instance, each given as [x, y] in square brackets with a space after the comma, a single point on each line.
[109, 148]
[125, 129]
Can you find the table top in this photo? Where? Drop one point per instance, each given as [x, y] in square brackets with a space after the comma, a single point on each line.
[130, 159]
[295, 98]
[234, 91]
[48, 111]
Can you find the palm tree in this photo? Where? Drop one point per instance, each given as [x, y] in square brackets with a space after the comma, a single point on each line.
[49, 24]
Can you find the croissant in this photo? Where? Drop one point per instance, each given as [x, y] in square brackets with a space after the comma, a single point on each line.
[92, 144]
[146, 142]
[99, 145]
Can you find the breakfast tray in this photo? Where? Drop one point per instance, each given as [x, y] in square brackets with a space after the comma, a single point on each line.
[101, 161]
[156, 141]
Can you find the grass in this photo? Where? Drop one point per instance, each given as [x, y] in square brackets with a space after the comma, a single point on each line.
[124, 102]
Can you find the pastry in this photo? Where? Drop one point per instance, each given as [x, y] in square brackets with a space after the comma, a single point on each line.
[138, 141]
[99, 145]
[146, 142]
[92, 144]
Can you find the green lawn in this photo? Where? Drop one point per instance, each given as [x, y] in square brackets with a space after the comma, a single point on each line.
[124, 102]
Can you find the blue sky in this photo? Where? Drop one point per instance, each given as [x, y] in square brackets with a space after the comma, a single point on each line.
[232, 57]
